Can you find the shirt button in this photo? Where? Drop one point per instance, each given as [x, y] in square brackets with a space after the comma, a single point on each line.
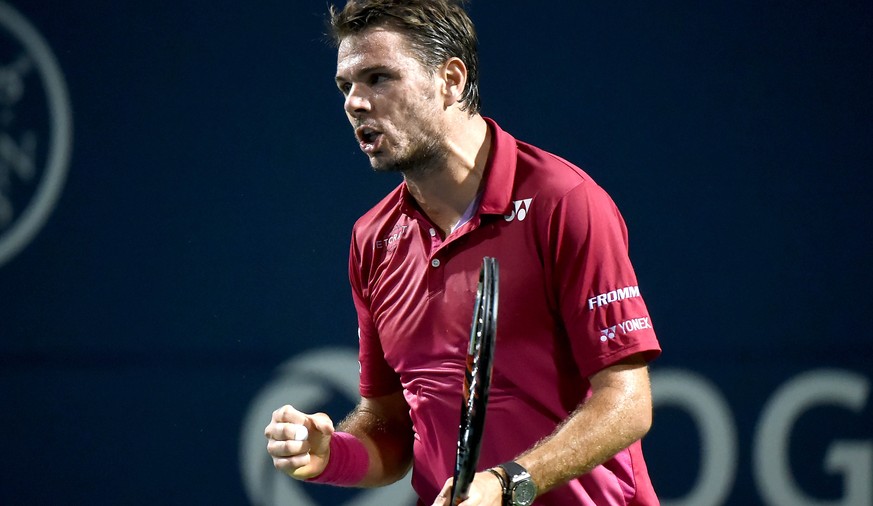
[435, 262]
[432, 232]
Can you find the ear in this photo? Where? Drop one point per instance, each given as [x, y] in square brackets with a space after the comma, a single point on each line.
[454, 74]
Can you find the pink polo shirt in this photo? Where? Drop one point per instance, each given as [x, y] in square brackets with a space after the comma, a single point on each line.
[570, 306]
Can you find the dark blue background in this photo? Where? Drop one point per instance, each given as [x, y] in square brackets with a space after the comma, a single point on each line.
[202, 235]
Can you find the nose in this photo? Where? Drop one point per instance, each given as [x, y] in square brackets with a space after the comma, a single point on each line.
[356, 101]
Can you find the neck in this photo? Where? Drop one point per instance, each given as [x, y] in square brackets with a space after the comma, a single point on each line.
[444, 193]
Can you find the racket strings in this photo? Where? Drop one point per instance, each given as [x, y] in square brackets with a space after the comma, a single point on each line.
[477, 378]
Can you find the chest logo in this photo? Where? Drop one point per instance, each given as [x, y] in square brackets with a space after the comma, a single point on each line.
[390, 241]
[520, 210]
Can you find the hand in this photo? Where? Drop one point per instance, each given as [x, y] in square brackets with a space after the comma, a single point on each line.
[484, 491]
[298, 442]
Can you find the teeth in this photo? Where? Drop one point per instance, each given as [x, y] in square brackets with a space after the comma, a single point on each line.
[368, 135]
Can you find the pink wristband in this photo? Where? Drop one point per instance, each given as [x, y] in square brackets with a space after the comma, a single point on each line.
[348, 461]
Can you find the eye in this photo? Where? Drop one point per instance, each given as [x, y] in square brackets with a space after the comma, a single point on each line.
[377, 78]
[344, 87]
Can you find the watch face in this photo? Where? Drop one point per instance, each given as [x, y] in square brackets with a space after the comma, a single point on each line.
[524, 493]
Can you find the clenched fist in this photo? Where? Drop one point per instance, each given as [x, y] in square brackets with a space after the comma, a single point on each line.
[298, 442]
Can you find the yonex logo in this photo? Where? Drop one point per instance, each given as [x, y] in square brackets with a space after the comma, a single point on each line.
[625, 327]
[608, 333]
[520, 210]
[613, 296]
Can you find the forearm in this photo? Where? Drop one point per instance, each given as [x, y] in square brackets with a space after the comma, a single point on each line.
[615, 416]
[384, 428]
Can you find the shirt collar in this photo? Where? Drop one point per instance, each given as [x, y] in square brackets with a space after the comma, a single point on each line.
[499, 171]
[499, 175]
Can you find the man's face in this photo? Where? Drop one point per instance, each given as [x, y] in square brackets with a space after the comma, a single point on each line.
[391, 100]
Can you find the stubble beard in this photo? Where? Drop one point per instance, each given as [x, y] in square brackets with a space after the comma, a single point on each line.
[425, 155]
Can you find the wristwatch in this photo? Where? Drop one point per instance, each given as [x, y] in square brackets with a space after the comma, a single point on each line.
[520, 489]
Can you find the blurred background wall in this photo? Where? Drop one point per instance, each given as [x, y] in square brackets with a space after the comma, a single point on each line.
[178, 183]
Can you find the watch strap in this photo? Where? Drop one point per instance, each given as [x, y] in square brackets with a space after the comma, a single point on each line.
[516, 474]
[512, 470]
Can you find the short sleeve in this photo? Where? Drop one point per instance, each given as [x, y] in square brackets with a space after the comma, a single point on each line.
[599, 298]
[377, 378]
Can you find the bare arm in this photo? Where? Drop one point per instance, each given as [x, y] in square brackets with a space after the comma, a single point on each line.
[299, 443]
[384, 426]
[618, 413]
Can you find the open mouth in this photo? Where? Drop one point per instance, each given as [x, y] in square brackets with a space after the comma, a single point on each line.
[368, 137]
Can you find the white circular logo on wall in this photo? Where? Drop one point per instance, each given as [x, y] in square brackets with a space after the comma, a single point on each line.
[308, 382]
[35, 132]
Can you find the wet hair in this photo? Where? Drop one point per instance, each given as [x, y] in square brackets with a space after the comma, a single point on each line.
[436, 30]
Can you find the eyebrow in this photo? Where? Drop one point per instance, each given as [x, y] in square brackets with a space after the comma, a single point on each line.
[365, 71]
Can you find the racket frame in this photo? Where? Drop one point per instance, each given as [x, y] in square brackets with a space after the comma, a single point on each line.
[477, 378]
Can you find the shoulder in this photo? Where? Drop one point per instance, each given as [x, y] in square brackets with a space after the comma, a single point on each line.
[373, 222]
[552, 178]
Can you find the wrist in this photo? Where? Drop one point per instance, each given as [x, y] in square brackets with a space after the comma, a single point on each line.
[504, 485]
[347, 462]
[520, 488]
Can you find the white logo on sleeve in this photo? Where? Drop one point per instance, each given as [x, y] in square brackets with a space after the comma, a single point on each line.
[603, 299]
[607, 333]
[520, 210]
[625, 327]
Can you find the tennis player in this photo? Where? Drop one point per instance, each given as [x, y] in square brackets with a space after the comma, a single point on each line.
[570, 396]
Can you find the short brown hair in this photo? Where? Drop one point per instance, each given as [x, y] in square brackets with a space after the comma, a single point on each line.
[436, 29]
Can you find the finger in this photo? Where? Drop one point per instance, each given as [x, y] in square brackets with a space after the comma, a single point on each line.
[321, 423]
[293, 431]
[300, 433]
[485, 489]
[284, 449]
[281, 431]
[290, 464]
[288, 414]
[444, 496]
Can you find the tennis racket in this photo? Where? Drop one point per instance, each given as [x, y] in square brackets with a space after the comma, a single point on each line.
[477, 379]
